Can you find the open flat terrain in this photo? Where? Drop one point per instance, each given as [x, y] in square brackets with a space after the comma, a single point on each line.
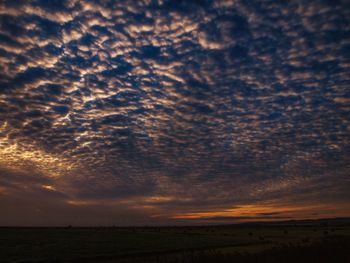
[129, 244]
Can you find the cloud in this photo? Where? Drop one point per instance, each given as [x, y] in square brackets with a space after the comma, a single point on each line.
[214, 103]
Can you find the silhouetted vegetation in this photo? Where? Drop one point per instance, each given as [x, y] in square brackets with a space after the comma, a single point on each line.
[223, 243]
[335, 250]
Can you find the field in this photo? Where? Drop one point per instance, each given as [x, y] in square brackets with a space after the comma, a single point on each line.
[238, 243]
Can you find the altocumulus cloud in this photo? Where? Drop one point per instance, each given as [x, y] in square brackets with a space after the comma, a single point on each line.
[121, 111]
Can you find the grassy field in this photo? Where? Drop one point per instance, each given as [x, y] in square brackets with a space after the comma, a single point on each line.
[162, 244]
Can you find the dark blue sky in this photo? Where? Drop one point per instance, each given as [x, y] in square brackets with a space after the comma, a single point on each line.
[139, 112]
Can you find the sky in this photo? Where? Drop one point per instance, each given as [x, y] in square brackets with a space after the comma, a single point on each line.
[173, 112]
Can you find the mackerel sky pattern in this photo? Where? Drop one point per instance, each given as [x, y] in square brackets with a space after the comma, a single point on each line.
[145, 107]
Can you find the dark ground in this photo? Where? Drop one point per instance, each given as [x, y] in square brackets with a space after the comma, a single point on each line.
[230, 243]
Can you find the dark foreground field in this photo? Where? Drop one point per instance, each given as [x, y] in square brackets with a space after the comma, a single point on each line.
[237, 243]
